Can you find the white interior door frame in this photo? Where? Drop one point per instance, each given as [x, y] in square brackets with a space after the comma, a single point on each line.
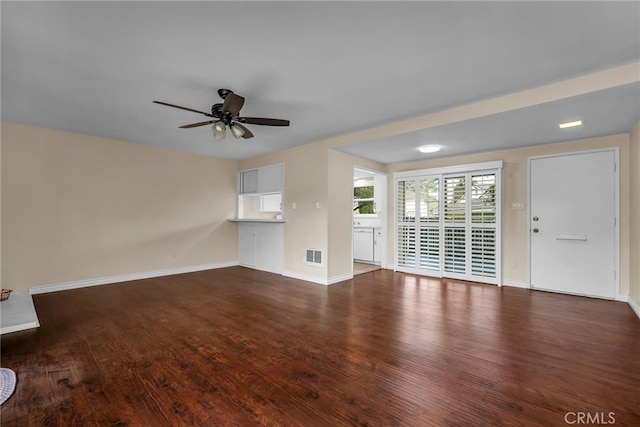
[616, 237]
[381, 179]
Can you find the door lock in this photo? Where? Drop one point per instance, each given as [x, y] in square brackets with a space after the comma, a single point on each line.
[535, 218]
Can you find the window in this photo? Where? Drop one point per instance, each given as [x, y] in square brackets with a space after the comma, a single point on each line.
[455, 199]
[448, 223]
[363, 201]
[483, 199]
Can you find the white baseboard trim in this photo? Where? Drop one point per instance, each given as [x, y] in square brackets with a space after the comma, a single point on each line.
[306, 277]
[515, 284]
[261, 269]
[634, 306]
[340, 278]
[126, 278]
[623, 298]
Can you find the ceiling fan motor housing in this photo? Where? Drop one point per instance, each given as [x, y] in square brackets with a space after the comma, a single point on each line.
[224, 92]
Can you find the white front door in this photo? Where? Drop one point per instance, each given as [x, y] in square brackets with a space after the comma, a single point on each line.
[572, 223]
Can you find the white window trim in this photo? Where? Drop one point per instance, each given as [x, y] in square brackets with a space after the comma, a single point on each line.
[471, 167]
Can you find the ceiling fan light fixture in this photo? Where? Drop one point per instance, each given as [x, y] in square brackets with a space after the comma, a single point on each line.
[237, 131]
[429, 148]
[219, 132]
[219, 126]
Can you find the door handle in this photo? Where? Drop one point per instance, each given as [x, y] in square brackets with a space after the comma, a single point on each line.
[535, 230]
[580, 237]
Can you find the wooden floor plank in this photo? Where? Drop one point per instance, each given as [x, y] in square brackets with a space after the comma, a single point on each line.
[241, 347]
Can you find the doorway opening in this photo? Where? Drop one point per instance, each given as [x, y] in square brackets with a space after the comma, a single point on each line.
[369, 220]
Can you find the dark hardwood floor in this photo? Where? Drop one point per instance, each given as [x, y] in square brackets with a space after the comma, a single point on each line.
[240, 347]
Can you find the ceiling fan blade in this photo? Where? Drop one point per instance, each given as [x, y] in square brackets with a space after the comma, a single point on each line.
[195, 125]
[247, 133]
[263, 121]
[232, 104]
[183, 108]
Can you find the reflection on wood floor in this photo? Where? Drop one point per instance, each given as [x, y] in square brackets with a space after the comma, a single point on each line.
[361, 267]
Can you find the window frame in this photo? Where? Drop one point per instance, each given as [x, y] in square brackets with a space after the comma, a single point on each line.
[472, 248]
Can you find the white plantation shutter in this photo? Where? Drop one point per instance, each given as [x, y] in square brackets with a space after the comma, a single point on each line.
[483, 252]
[406, 246]
[429, 244]
[406, 229]
[430, 248]
[429, 200]
[455, 206]
[483, 202]
[483, 229]
[448, 225]
[455, 250]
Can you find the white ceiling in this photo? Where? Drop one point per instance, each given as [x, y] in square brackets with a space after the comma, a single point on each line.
[331, 68]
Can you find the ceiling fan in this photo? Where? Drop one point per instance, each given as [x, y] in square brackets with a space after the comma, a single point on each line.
[226, 114]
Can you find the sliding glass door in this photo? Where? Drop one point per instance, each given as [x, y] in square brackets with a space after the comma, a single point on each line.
[448, 225]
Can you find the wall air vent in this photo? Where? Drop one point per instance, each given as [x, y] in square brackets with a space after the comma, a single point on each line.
[314, 257]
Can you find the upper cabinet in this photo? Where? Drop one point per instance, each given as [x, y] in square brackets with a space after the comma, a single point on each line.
[270, 179]
[249, 181]
[267, 179]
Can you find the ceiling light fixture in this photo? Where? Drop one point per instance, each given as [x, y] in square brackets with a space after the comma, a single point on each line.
[219, 130]
[219, 126]
[429, 148]
[237, 131]
[570, 124]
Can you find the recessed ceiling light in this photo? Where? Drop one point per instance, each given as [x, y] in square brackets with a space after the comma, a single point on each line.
[570, 124]
[429, 149]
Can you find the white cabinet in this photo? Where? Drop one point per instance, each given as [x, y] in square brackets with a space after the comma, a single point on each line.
[377, 242]
[270, 179]
[271, 202]
[247, 244]
[261, 246]
[267, 179]
[267, 202]
[248, 181]
[363, 244]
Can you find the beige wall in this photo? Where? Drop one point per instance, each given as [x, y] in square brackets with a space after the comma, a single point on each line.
[313, 173]
[340, 215]
[514, 178]
[330, 228]
[77, 207]
[80, 207]
[1, 157]
[634, 202]
[305, 184]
